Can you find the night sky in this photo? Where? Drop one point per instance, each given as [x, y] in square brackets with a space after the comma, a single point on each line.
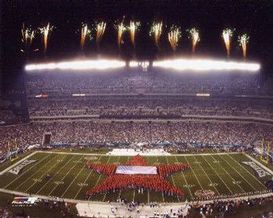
[210, 16]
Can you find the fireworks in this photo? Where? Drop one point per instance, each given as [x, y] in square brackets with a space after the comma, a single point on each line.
[133, 27]
[27, 35]
[45, 32]
[227, 35]
[155, 32]
[100, 29]
[243, 41]
[120, 29]
[85, 31]
[173, 36]
[195, 38]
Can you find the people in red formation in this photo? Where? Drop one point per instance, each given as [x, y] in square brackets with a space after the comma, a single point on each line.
[150, 182]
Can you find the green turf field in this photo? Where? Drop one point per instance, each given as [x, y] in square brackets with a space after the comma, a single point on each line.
[224, 174]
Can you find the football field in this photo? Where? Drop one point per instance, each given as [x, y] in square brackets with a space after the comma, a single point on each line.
[66, 175]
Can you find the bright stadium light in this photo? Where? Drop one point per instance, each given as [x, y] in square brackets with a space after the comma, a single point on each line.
[77, 65]
[143, 64]
[206, 65]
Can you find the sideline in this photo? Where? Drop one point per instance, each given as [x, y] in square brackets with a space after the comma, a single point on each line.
[171, 154]
[69, 200]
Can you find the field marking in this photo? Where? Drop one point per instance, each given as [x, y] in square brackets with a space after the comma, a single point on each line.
[15, 164]
[73, 180]
[233, 180]
[128, 158]
[172, 176]
[33, 176]
[238, 173]
[208, 177]
[185, 180]
[69, 200]
[218, 176]
[43, 174]
[35, 173]
[260, 164]
[106, 192]
[64, 176]
[134, 195]
[243, 167]
[91, 171]
[55, 174]
[109, 157]
[38, 162]
[98, 154]
[163, 198]
[194, 173]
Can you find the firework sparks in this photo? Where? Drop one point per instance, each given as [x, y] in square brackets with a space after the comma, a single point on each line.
[195, 38]
[227, 35]
[27, 35]
[100, 29]
[120, 30]
[133, 27]
[243, 41]
[173, 36]
[45, 32]
[85, 31]
[155, 32]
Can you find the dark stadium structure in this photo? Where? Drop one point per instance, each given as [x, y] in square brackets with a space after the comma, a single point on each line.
[157, 133]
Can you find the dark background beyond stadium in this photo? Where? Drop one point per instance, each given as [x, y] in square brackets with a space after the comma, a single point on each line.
[210, 16]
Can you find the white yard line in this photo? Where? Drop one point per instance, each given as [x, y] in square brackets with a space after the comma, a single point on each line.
[218, 176]
[33, 176]
[55, 174]
[243, 167]
[171, 176]
[106, 192]
[35, 164]
[64, 177]
[100, 176]
[134, 195]
[187, 184]
[91, 171]
[234, 168]
[194, 174]
[162, 194]
[43, 174]
[73, 180]
[207, 176]
[15, 164]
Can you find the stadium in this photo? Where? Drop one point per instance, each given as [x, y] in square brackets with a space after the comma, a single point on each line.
[126, 111]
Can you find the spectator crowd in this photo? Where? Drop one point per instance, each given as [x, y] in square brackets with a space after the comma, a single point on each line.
[127, 132]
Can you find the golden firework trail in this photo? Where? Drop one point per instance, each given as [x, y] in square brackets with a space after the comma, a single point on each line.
[155, 32]
[195, 38]
[45, 32]
[227, 35]
[120, 30]
[173, 36]
[27, 35]
[243, 41]
[85, 31]
[133, 28]
[100, 29]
